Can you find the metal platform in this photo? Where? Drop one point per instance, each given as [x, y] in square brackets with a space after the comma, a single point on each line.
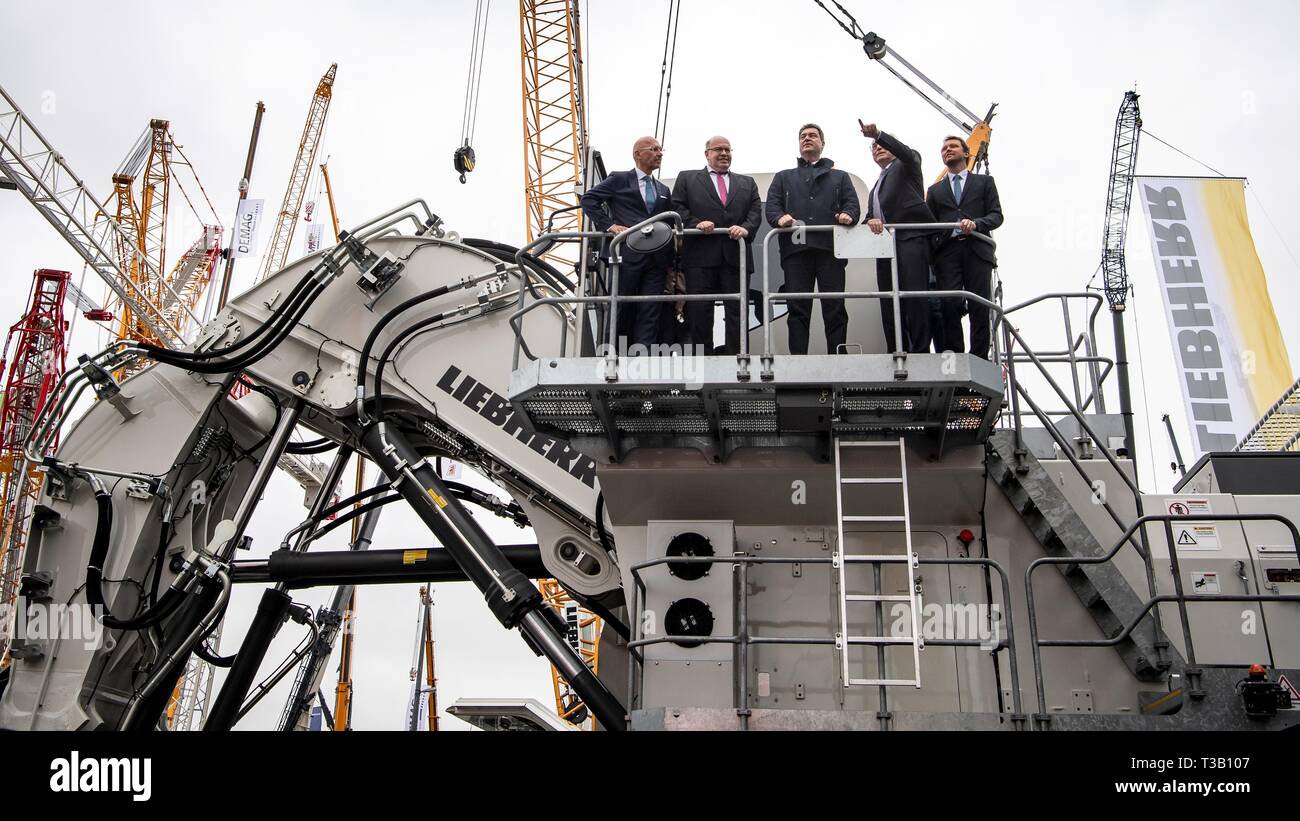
[607, 408]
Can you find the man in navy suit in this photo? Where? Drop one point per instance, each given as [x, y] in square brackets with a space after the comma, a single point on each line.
[963, 262]
[621, 200]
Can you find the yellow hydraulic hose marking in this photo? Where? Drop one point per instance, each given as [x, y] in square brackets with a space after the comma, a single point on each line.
[437, 500]
[413, 556]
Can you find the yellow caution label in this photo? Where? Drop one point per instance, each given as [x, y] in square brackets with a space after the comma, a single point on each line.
[413, 556]
[437, 500]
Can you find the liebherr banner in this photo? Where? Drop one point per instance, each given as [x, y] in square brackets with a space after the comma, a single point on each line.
[1231, 359]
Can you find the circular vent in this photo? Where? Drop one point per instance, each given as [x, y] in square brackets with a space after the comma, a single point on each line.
[689, 544]
[689, 617]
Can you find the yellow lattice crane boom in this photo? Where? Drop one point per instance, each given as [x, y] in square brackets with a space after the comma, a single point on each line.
[555, 121]
[555, 148]
[277, 249]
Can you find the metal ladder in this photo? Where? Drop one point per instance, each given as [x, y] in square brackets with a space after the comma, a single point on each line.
[840, 559]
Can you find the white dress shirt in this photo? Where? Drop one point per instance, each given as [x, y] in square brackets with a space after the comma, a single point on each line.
[952, 188]
[640, 184]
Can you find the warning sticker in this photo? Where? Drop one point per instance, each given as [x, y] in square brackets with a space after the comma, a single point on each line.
[1290, 688]
[413, 556]
[1196, 537]
[1205, 583]
[1188, 506]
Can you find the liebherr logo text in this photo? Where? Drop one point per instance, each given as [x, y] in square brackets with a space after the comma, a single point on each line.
[128, 775]
[497, 410]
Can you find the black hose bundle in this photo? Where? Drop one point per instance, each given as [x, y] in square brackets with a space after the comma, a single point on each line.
[262, 340]
[313, 447]
[95, 576]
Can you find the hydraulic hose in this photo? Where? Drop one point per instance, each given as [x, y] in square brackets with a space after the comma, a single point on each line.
[378, 329]
[95, 575]
[506, 253]
[250, 357]
[275, 317]
[388, 353]
[322, 445]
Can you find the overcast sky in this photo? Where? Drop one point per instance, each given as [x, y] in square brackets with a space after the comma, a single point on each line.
[1218, 83]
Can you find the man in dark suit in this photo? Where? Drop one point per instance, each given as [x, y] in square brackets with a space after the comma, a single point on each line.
[899, 197]
[707, 199]
[619, 201]
[963, 262]
[814, 192]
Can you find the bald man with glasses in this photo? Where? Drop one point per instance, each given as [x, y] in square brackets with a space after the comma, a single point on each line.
[618, 202]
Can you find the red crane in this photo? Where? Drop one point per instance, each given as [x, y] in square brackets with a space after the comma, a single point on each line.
[40, 357]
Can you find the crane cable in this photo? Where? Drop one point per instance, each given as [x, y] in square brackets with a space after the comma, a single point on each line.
[666, 66]
[463, 159]
[854, 30]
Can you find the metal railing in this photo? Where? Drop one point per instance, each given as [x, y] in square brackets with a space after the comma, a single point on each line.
[896, 295]
[1010, 347]
[614, 299]
[742, 639]
[1037, 642]
[1096, 368]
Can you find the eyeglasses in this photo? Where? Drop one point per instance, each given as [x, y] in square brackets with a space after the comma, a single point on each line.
[721, 150]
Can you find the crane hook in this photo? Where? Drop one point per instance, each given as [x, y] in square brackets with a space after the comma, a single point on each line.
[463, 159]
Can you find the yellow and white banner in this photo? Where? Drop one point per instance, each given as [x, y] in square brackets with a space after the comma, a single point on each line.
[1231, 360]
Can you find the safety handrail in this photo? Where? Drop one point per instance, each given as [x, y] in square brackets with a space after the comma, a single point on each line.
[1179, 596]
[895, 293]
[741, 295]
[742, 638]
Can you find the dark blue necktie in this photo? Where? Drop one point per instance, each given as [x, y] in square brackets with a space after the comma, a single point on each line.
[956, 188]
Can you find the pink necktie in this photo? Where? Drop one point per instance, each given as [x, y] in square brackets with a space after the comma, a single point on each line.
[722, 188]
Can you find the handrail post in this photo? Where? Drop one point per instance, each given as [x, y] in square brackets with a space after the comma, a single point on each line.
[1070, 352]
[900, 355]
[1013, 389]
[1193, 674]
[611, 342]
[742, 320]
[766, 372]
[742, 645]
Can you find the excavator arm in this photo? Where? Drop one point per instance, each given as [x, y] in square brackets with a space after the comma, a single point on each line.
[146, 501]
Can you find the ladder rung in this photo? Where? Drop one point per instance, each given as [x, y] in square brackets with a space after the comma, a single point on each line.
[875, 518]
[891, 480]
[881, 640]
[873, 444]
[875, 597]
[898, 557]
[884, 682]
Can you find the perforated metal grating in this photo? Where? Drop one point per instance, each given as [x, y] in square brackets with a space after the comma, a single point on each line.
[881, 403]
[552, 407]
[1279, 429]
[577, 427]
[664, 424]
